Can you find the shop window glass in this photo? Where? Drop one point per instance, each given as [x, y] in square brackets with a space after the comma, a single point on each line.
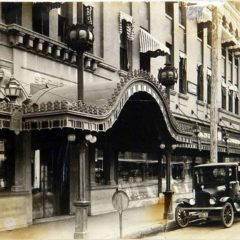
[40, 18]
[4, 167]
[182, 76]
[12, 12]
[138, 175]
[99, 168]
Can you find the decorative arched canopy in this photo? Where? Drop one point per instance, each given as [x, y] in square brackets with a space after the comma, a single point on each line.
[78, 115]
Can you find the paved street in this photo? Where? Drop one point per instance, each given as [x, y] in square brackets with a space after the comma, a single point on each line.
[210, 231]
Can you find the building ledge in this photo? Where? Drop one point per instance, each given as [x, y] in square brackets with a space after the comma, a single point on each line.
[173, 92]
[183, 96]
[28, 40]
[201, 103]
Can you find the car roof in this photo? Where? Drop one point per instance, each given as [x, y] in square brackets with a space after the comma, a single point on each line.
[217, 164]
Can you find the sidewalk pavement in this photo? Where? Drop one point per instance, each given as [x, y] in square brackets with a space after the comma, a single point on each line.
[137, 223]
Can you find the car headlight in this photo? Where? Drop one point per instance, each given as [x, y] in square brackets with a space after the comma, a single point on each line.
[212, 201]
[192, 201]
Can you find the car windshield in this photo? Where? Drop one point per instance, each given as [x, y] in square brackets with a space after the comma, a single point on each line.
[214, 176]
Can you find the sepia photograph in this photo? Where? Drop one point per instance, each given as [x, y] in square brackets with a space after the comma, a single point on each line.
[119, 120]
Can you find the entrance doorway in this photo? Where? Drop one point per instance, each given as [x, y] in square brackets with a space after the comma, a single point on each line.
[50, 182]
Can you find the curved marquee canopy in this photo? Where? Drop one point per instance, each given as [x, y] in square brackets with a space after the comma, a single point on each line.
[79, 115]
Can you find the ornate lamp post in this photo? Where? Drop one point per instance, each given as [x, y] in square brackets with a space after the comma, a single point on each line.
[168, 76]
[196, 131]
[13, 90]
[80, 38]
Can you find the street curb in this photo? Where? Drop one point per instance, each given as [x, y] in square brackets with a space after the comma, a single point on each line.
[152, 230]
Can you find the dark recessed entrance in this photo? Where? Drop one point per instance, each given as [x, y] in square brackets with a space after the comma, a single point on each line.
[140, 126]
[50, 174]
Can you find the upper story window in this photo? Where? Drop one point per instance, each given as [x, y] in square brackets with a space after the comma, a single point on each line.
[62, 24]
[209, 36]
[230, 101]
[223, 68]
[169, 9]
[182, 76]
[230, 67]
[126, 37]
[209, 80]
[200, 30]
[200, 82]
[236, 72]
[169, 57]
[12, 12]
[40, 18]
[224, 98]
[182, 14]
[124, 48]
[145, 61]
[236, 105]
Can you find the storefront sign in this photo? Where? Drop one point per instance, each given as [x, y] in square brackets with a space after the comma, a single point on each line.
[120, 201]
[192, 88]
[45, 79]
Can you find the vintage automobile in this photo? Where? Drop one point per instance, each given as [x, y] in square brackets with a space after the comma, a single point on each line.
[217, 195]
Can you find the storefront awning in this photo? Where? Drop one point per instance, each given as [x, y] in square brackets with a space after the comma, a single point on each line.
[149, 44]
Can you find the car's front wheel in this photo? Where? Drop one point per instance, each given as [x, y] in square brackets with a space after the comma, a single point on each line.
[181, 216]
[227, 215]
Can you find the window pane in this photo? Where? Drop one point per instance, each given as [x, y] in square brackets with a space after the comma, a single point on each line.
[138, 175]
[200, 82]
[169, 9]
[223, 98]
[12, 12]
[230, 101]
[3, 167]
[236, 105]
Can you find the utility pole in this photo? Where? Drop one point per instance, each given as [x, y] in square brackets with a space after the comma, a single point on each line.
[216, 30]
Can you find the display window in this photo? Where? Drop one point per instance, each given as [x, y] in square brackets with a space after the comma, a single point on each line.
[3, 167]
[138, 175]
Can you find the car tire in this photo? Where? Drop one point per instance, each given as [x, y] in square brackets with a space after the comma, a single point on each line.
[181, 216]
[227, 215]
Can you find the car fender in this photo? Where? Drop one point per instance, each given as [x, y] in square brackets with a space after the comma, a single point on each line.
[224, 199]
[183, 200]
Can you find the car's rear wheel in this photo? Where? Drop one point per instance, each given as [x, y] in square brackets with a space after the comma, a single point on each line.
[227, 215]
[181, 216]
